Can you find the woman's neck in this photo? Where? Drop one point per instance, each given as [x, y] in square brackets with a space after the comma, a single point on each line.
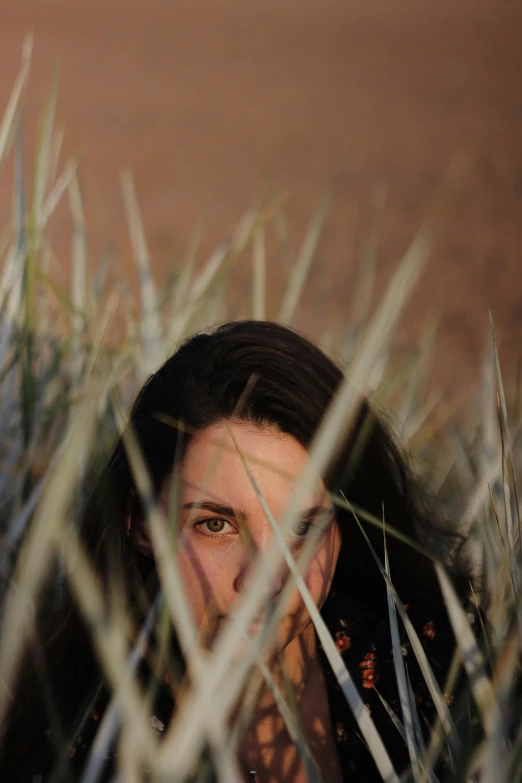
[267, 746]
[290, 670]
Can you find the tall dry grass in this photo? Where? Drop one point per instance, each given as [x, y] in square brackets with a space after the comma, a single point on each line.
[64, 388]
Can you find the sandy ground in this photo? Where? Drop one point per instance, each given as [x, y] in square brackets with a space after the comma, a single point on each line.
[209, 101]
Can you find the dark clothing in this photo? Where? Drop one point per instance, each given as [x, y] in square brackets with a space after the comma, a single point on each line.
[364, 640]
[362, 636]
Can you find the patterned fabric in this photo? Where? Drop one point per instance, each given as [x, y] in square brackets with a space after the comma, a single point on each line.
[364, 641]
[362, 638]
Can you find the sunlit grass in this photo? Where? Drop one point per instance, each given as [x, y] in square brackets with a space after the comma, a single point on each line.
[64, 389]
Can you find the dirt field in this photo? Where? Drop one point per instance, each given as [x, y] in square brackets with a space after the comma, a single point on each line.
[206, 101]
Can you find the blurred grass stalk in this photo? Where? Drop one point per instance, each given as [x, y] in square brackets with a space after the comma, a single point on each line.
[62, 387]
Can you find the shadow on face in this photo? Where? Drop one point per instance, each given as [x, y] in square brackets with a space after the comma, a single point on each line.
[223, 527]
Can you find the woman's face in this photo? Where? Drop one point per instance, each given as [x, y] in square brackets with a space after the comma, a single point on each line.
[222, 524]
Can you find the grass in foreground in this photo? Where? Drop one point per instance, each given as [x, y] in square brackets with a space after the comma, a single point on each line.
[63, 393]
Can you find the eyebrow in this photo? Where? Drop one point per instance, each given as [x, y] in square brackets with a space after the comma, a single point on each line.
[216, 508]
[228, 511]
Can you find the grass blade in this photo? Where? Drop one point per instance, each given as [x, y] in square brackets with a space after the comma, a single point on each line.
[13, 105]
[303, 265]
[400, 674]
[259, 276]
[480, 684]
[427, 672]
[150, 326]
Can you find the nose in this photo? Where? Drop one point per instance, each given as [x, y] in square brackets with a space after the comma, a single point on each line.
[251, 550]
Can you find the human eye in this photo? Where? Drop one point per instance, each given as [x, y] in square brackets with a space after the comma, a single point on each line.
[302, 527]
[320, 518]
[214, 526]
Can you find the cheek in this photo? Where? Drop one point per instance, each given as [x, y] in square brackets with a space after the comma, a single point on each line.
[320, 572]
[204, 577]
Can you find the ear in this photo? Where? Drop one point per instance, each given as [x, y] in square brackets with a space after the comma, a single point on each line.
[135, 527]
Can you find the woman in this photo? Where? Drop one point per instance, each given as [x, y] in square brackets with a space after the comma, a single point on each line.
[254, 392]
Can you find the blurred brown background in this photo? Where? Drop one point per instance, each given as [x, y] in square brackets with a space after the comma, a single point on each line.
[208, 101]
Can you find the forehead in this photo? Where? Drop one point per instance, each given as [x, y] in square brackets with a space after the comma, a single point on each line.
[215, 464]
